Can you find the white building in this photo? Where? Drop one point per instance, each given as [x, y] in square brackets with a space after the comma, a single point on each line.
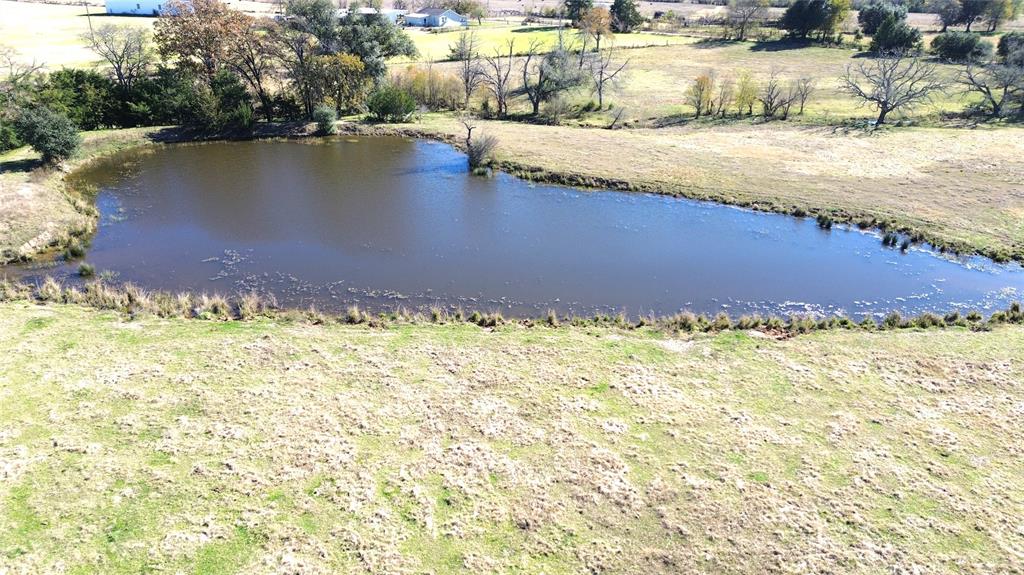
[136, 7]
[436, 18]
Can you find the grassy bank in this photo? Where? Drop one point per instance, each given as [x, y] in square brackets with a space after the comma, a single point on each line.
[266, 447]
[37, 212]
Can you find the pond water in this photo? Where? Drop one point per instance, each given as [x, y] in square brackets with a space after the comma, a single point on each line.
[382, 222]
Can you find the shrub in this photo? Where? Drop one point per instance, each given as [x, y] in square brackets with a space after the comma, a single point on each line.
[960, 46]
[391, 104]
[480, 150]
[1011, 48]
[325, 117]
[51, 134]
[874, 14]
[896, 36]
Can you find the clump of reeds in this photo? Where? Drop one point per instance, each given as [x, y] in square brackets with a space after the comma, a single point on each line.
[825, 221]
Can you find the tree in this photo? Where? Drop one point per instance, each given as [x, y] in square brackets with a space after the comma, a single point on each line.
[700, 92]
[998, 85]
[465, 52]
[575, 9]
[895, 35]
[971, 11]
[375, 39]
[296, 50]
[341, 79]
[746, 93]
[84, 96]
[773, 98]
[874, 14]
[596, 23]
[999, 11]
[745, 14]
[803, 88]
[547, 75]
[625, 16]
[891, 82]
[823, 16]
[253, 55]
[316, 17]
[726, 93]
[497, 76]
[125, 48]
[50, 133]
[948, 12]
[198, 33]
[603, 71]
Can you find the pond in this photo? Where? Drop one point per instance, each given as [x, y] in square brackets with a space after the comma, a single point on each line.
[382, 222]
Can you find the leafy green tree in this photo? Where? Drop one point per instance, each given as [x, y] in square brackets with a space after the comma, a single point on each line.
[233, 101]
[895, 35]
[50, 133]
[86, 97]
[374, 39]
[806, 16]
[872, 15]
[948, 12]
[971, 11]
[575, 9]
[625, 16]
[316, 17]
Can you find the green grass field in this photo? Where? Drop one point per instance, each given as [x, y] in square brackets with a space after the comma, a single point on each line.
[188, 446]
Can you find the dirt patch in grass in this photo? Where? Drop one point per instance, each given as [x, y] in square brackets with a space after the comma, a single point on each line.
[280, 448]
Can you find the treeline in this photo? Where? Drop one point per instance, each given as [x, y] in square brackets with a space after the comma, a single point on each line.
[204, 65]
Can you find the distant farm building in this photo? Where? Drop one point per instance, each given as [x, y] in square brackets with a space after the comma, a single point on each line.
[136, 7]
[436, 18]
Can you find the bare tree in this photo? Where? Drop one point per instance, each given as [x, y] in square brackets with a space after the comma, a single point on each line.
[15, 70]
[497, 76]
[803, 88]
[546, 75]
[744, 15]
[773, 98]
[603, 71]
[125, 48]
[892, 81]
[465, 51]
[997, 84]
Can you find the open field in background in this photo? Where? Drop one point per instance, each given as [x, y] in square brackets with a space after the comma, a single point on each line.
[268, 447]
[958, 185]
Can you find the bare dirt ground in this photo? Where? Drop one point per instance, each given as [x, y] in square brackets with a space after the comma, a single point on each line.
[265, 447]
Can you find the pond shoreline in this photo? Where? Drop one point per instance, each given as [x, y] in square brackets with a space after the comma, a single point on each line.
[52, 182]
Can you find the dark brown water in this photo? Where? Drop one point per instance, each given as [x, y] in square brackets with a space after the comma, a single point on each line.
[388, 221]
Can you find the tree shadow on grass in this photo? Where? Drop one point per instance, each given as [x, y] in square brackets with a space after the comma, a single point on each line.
[781, 45]
[708, 43]
[22, 165]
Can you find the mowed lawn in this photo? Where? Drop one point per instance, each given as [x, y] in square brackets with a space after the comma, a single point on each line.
[186, 446]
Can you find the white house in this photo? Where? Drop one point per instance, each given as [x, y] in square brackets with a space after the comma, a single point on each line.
[436, 18]
[136, 7]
